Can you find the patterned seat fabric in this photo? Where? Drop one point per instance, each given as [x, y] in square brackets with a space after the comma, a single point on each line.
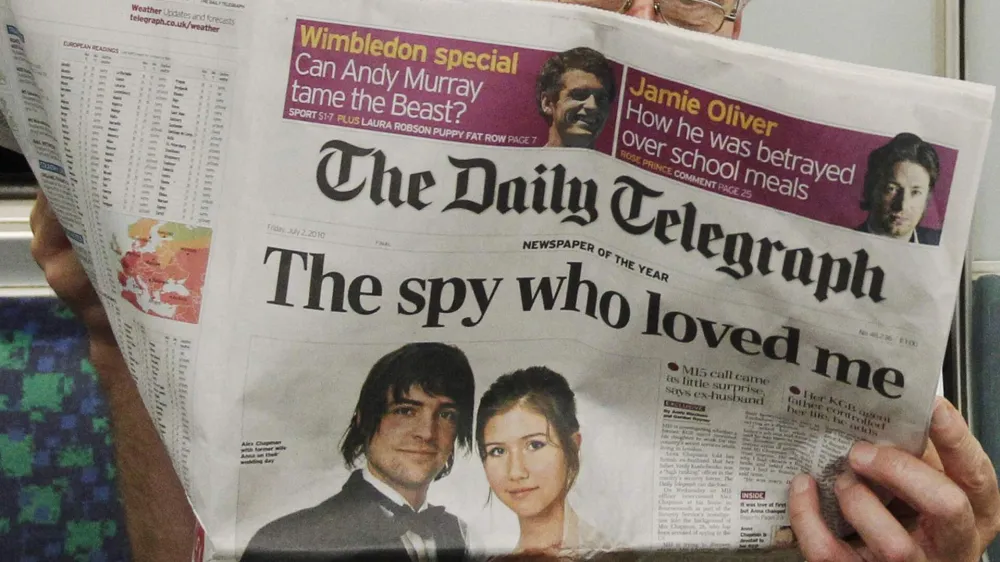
[58, 499]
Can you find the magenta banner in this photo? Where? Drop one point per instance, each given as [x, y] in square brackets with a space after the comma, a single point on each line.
[497, 95]
[746, 152]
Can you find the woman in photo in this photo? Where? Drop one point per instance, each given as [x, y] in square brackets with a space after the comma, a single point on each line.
[529, 440]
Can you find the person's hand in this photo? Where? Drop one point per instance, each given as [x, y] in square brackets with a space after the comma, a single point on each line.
[64, 273]
[952, 491]
[158, 517]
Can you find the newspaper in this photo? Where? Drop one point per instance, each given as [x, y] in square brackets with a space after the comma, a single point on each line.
[581, 283]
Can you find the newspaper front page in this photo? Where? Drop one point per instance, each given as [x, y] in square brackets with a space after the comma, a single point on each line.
[441, 279]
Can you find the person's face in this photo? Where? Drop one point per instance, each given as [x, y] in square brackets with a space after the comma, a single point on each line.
[414, 440]
[646, 9]
[525, 463]
[581, 109]
[899, 205]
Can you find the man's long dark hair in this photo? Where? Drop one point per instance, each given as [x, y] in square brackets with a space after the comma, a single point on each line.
[435, 368]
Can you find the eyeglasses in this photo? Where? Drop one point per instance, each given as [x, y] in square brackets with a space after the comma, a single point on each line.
[706, 16]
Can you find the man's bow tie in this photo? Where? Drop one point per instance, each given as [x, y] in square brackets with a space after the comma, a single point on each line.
[424, 523]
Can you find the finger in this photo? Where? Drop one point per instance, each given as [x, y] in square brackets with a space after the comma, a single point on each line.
[69, 281]
[942, 505]
[931, 457]
[882, 534]
[815, 540]
[40, 203]
[965, 462]
[48, 236]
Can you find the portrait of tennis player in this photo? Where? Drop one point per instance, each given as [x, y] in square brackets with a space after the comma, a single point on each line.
[574, 93]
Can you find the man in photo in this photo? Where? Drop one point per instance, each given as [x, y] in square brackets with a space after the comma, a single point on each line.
[898, 185]
[414, 404]
[574, 92]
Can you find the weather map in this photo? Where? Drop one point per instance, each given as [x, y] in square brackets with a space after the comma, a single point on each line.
[163, 267]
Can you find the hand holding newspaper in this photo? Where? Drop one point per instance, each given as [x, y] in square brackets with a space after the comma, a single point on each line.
[567, 282]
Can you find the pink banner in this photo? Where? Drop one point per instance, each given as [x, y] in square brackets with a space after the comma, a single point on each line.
[496, 95]
[416, 85]
[746, 152]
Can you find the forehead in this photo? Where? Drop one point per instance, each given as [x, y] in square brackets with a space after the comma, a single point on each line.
[514, 424]
[615, 5]
[417, 394]
[910, 173]
[576, 78]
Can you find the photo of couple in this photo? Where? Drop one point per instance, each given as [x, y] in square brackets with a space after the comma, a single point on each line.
[415, 408]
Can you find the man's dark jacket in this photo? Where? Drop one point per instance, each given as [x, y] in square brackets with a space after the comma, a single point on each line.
[926, 236]
[352, 526]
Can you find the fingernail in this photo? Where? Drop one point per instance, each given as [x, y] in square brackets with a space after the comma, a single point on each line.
[800, 484]
[863, 453]
[942, 416]
[845, 481]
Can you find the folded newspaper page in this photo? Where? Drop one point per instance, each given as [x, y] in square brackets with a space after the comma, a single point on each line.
[444, 279]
